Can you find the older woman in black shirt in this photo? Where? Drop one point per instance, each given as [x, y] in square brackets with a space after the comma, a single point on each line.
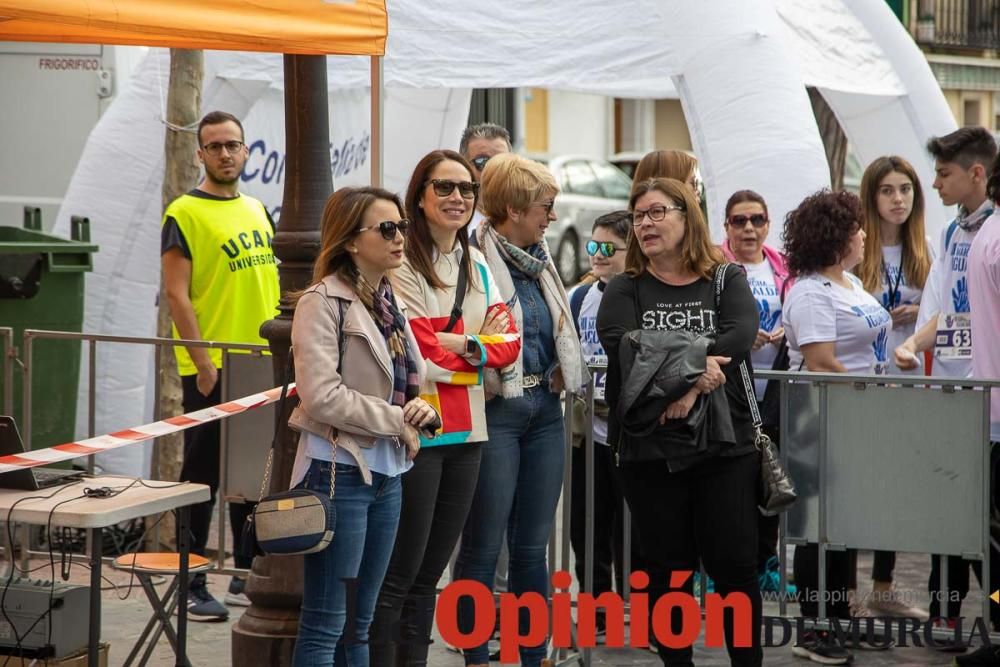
[699, 502]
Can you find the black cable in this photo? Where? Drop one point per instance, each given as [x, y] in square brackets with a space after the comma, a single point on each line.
[18, 638]
[88, 492]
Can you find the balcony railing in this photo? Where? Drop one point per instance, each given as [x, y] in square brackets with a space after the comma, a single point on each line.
[971, 24]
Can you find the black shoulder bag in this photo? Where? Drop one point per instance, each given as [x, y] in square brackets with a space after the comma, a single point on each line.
[776, 492]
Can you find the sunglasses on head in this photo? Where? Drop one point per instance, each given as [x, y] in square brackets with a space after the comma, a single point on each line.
[443, 187]
[604, 247]
[480, 161]
[388, 228]
[757, 220]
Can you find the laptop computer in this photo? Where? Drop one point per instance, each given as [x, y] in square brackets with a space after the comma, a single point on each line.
[28, 479]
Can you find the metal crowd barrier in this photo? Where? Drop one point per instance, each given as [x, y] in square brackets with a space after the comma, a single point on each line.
[843, 436]
[932, 431]
[839, 464]
[233, 384]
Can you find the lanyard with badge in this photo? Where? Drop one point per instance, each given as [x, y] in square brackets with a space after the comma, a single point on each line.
[893, 289]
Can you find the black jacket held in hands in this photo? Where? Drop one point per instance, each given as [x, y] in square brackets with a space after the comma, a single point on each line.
[658, 368]
[643, 303]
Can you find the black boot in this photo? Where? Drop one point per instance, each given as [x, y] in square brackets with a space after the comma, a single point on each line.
[415, 627]
[382, 646]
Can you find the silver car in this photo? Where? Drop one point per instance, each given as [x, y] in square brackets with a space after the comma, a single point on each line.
[589, 188]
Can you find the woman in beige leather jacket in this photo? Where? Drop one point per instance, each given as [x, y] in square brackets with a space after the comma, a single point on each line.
[359, 415]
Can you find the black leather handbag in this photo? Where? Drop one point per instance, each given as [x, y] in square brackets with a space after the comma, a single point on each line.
[777, 492]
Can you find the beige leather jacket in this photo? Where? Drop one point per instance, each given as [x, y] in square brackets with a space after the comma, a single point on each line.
[350, 407]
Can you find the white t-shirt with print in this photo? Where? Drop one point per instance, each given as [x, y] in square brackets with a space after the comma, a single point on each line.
[903, 294]
[593, 351]
[947, 291]
[818, 310]
[765, 293]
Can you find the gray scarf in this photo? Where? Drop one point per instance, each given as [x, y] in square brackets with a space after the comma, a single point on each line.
[509, 381]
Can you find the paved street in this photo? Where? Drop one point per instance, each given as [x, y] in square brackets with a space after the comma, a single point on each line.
[210, 643]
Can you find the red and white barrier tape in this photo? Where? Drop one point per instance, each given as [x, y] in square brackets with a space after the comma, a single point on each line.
[103, 443]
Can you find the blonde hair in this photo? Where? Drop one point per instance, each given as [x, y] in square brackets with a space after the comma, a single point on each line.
[677, 165]
[512, 181]
[916, 256]
[698, 254]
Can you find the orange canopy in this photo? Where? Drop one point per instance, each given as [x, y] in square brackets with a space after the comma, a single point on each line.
[346, 27]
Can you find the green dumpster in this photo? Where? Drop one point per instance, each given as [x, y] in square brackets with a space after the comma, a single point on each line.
[42, 287]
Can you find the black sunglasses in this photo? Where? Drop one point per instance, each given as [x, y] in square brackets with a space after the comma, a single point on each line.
[480, 162]
[443, 187]
[388, 228]
[604, 247]
[757, 220]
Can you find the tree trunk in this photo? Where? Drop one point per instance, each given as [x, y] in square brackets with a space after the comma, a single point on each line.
[834, 139]
[180, 174]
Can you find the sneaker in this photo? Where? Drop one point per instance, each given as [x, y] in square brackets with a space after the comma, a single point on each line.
[821, 647]
[770, 581]
[949, 645]
[201, 605]
[987, 656]
[891, 603]
[858, 609]
[236, 596]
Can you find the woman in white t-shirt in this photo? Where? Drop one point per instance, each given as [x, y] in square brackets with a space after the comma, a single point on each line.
[833, 326]
[897, 255]
[894, 268]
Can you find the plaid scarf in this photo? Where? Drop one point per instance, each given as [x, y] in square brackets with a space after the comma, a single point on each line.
[531, 260]
[381, 305]
[971, 222]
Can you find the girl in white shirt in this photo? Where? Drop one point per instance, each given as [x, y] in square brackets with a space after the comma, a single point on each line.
[894, 269]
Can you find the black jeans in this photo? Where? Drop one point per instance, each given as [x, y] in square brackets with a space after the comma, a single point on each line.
[608, 527]
[201, 466]
[841, 567]
[707, 512]
[437, 495]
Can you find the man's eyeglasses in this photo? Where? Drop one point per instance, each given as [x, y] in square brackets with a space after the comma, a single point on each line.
[756, 219]
[388, 228]
[604, 247]
[547, 205]
[215, 149]
[443, 187]
[480, 161]
[654, 213]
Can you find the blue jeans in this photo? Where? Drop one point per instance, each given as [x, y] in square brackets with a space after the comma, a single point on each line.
[520, 479]
[367, 517]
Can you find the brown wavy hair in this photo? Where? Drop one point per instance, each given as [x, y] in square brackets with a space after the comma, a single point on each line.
[818, 232]
[677, 165]
[342, 216]
[419, 242]
[699, 255]
[916, 256]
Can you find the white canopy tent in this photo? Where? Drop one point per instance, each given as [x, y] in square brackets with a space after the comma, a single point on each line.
[739, 67]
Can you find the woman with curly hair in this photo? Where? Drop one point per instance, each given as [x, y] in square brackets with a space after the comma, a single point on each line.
[833, 326]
